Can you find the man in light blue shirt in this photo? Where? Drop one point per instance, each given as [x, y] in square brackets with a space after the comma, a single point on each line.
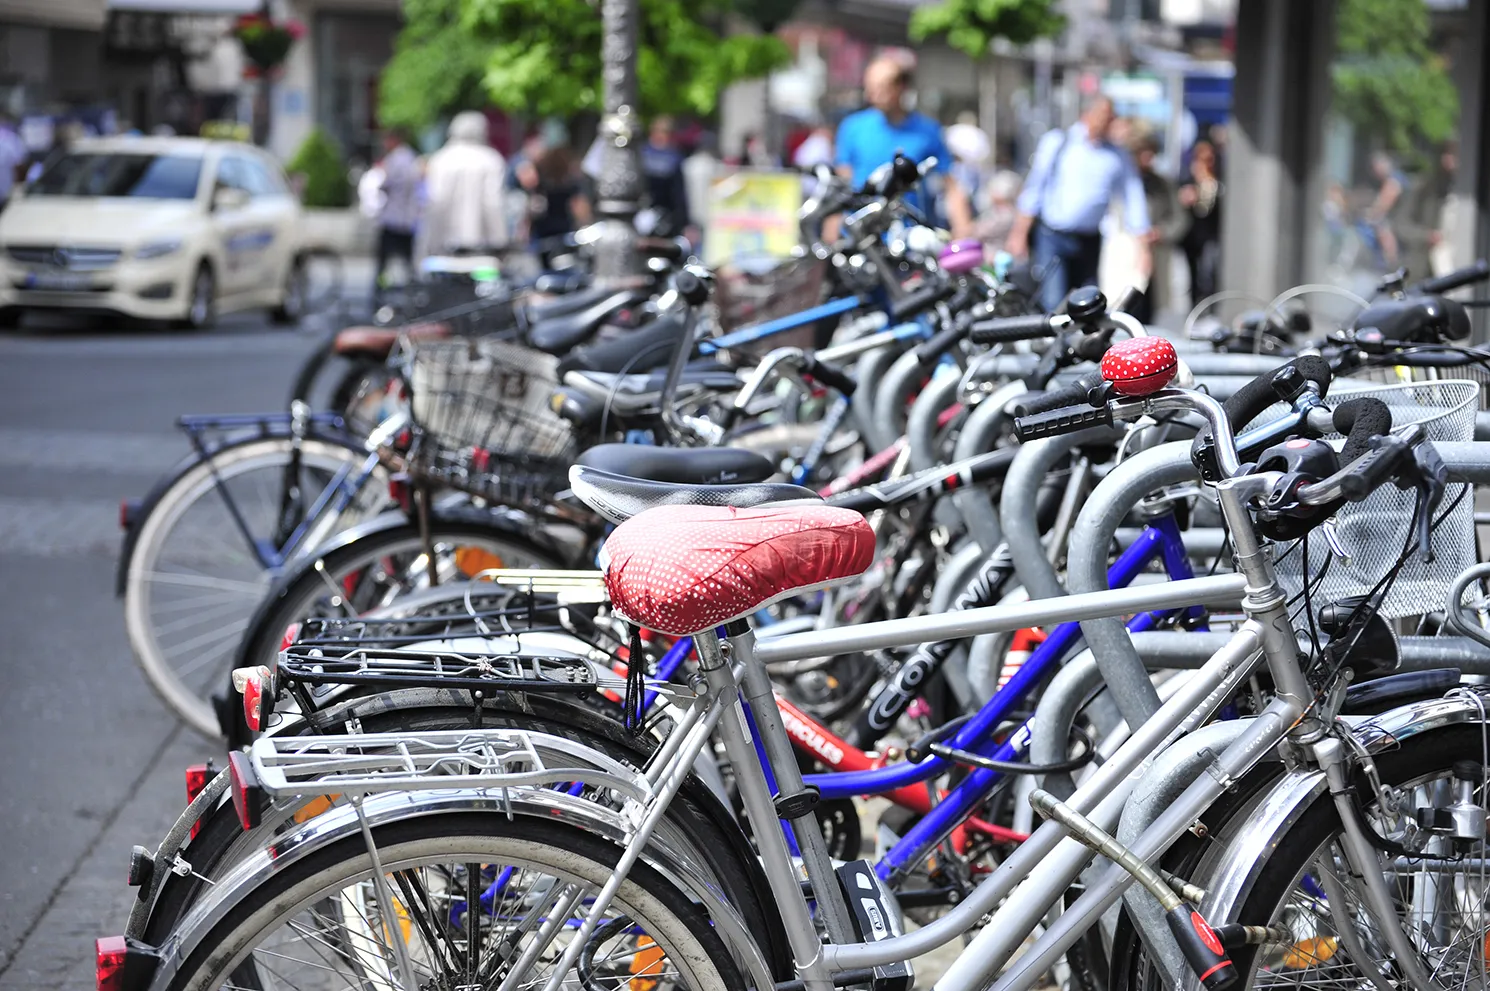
[1073, 179]
[870, 138]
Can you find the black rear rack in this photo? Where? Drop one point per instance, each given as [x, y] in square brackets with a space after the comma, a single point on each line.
[403, 668]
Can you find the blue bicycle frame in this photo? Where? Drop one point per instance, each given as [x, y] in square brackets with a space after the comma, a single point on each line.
[338, 494]
[1160, 540]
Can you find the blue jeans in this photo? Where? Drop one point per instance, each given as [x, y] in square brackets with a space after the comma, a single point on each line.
[1063, 261]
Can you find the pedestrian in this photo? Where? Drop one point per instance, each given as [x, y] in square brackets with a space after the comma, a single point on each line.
[1074, 177]
[557, 204]
[970, 150]
[1387, 209]
[1200, 197]
[1168, 223]
[666, 213]
[13, 155]
[397, 208]
[871, 137]
[700, 169]
[465, 184]
[996, 221]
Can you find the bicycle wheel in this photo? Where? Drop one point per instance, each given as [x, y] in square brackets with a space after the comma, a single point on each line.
[372, 572]
[196, 573]
[327, 922]
[1445, 913]
[696, 818]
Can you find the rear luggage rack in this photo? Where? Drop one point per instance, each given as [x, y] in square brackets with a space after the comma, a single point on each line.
[325, 664]
[439, 760]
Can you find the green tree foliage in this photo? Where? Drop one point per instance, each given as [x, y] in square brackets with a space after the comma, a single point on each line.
[319, 159]
[1388, 80]
[543, 57]
[436, 67]
[970, 26]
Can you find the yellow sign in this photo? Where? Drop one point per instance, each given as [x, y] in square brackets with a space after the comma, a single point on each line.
[752, 215]
[226, 130]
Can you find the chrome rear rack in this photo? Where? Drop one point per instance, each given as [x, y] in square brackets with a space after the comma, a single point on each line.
[439, 760]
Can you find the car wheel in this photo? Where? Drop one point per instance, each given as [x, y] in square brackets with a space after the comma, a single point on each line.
[201, 306]
[291, 308]
[10, 316]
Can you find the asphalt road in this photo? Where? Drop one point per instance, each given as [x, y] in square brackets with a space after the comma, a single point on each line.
[90, 761]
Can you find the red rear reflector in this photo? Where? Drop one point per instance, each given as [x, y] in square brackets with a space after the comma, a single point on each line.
[398, 491]
[124, 514]
[247, 797]
[292, 633]
[197, 776]
[111, 952]
[253, 702]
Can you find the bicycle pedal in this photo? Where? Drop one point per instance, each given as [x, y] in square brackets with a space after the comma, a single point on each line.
[876, 916]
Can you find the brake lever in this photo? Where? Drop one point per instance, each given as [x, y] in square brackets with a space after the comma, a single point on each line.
[1431, 479]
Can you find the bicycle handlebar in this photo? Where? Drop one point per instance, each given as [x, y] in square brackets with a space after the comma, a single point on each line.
[1470, 274]
[922, 300]
[1072, 395]
[1006, 330]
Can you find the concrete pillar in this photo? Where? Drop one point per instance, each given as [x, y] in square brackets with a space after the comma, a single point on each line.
[1471, 240]
[1274, 174]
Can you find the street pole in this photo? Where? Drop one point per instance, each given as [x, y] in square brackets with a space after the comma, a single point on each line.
[619, 187]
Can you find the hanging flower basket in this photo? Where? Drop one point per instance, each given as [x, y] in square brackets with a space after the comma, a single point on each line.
[266, 43]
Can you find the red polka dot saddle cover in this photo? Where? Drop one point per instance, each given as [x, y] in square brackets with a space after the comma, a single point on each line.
[684, 569]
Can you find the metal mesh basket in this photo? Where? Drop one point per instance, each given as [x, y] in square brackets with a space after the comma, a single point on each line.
[746, 298]
[1374, 532]
[1395, 374]
[484, 419]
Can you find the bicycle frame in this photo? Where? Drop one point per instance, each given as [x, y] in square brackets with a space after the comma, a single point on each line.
[1035, 878]
[338, 495]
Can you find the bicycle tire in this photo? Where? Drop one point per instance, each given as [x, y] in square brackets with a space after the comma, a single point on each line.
[1421, 756]
[196, 484]
[696, 812]
[668, 917]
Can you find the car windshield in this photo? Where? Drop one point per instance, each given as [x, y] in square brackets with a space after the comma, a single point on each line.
[132, 174]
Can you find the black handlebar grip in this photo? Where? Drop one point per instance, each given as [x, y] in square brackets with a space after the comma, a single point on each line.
[1066, 420]
[1072, 395]
[1478, 272]
[695, 291]
[1257, 395]
[1005, 330]
[1202, 948]
[1361, 419]
[929, 351]
[921, 300]
[833, 378]
[1367, 473]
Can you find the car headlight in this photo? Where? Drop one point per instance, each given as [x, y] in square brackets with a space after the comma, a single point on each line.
[157, 249]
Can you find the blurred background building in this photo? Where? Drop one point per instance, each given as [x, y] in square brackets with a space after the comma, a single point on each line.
[1310, 102]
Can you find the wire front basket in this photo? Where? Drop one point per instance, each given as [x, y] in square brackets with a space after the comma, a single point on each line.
[1374, 533]
[484, 421]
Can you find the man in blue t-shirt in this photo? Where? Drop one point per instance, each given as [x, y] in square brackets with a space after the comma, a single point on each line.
[870, 138]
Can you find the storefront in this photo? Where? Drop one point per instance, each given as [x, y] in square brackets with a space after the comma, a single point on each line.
[1333, 171]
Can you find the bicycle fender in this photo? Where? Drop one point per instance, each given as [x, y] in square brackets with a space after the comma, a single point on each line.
[1282, 804]
[144, 507]
[342, 823]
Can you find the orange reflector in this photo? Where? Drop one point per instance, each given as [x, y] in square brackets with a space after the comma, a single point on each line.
[474, 560]
[1310, 952]
[314, 807]
[647, 960]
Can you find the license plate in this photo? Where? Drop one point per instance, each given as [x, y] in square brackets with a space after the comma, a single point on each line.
[61, 281]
